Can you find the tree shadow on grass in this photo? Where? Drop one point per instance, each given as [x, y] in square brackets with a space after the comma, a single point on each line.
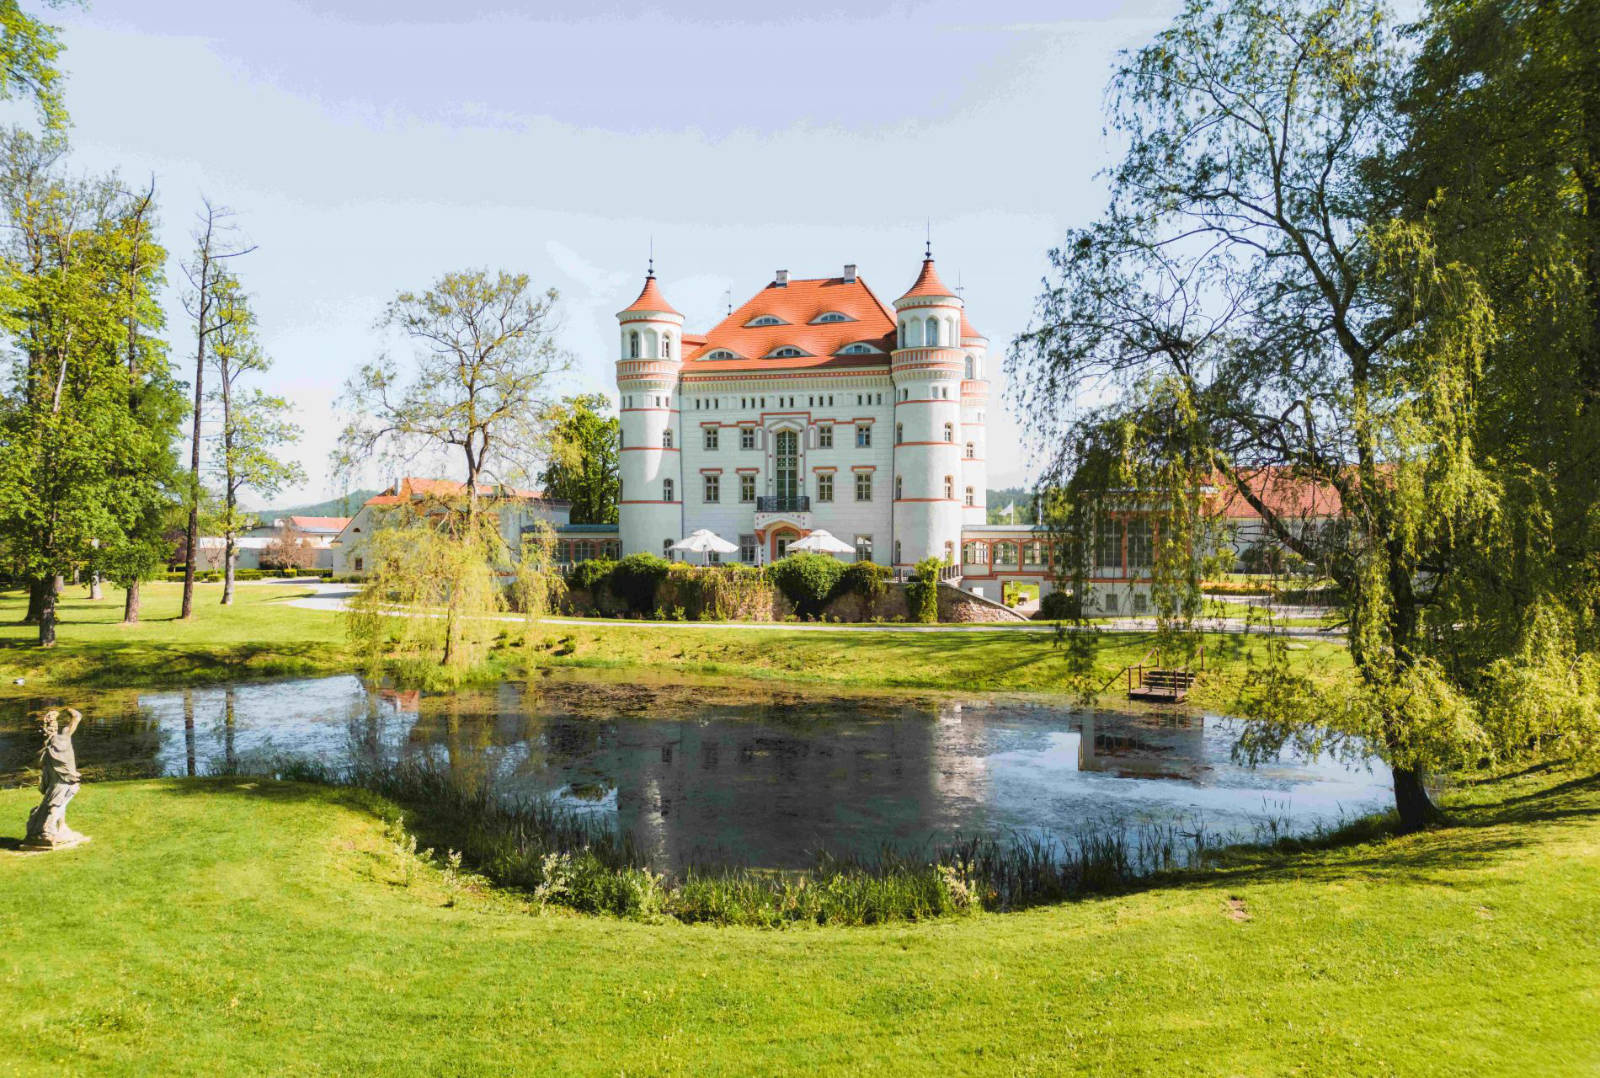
[145, 664]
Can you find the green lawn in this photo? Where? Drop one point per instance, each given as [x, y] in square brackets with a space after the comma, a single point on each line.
[223, 926]
[261, 636]
[258, 637]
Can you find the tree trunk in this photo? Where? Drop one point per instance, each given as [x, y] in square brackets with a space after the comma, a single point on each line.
[227, 571]
[58, 585]
[1411, 800]
[36, 589]
[94, 587]
[130, 605]
[47, 618]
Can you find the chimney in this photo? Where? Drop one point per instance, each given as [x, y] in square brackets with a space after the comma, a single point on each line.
[781, 279]
[850, 273]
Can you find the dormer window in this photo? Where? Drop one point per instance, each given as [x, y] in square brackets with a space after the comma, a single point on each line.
[788, 351]
[722, 353]
[859, 348]
[830, 316]
[765, 320]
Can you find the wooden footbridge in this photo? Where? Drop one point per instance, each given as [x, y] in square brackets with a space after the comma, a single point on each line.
[1162, 684]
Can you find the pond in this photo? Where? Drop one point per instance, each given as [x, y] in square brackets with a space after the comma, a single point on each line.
[745, 774]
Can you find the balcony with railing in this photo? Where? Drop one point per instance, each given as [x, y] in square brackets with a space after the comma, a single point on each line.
[779, 503]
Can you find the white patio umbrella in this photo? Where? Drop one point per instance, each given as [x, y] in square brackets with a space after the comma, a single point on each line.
[821, 542]
[704, 541]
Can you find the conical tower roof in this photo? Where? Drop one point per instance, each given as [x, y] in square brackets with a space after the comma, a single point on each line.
[651, 299]
[927, 283]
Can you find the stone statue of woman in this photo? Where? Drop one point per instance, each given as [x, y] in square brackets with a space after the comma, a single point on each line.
[58, 781]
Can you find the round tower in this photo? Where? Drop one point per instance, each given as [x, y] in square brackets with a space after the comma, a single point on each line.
[974, 424]
[926, 368]
[650, 341]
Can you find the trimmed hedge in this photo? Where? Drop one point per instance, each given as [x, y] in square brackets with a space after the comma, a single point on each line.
[922, 591]
[1058, 606]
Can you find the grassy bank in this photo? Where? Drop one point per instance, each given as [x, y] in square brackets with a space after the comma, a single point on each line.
[259, 636]
[996, 660]
[218, 926]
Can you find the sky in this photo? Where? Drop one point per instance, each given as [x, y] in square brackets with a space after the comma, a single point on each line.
[368, 147]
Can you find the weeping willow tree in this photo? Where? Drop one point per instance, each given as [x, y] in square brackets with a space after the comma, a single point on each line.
[1254, 307]
[539, 585]
[433, 590]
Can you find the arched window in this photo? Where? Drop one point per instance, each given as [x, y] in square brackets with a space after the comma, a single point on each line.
[902, 338]
[666, 346]
[931, 333]
[830, 316]
[666, 438]
[766, 320]
[788, 351]
[972, 368]
[949, 432]
[899, 433]
[859, 348]
[633, 345]
[899, 488]
[722, 353]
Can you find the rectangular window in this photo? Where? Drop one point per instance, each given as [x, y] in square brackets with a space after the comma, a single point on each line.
[713, 488]
[863, 548]
[824, 486]
[747, 488]
[863, 436]
[863, 486]
[666, 490]
[747, 437]
[1140, 548]
[747, 549]
[950, 488]
[711, 435]
[972, 498]
[1108, 546]
[824, 437]
[972, 553]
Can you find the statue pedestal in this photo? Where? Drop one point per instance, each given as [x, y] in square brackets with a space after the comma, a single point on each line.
[63, 842]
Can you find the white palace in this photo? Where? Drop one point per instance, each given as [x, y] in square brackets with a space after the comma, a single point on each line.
[814, 405]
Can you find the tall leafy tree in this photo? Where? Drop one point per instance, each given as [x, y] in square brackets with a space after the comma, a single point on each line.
[585, 444]
[1502, 150]
[152, 480]
[216, 243]
[29, 51]
[255, 425]
[1258, 308]
[69, 432]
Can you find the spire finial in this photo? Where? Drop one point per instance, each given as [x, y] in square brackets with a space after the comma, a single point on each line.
[727, 295]
[927, 247]
[652, 270]
[960, 288]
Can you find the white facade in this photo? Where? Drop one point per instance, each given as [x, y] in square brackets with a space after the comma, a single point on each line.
[813, 406]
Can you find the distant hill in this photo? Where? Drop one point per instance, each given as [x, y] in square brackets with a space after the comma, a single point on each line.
[345, 506]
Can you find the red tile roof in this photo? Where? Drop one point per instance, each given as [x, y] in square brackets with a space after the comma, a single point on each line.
[798, 304]
[1285, 494]
[927, 283]
[412, 487]
[968, 330]
[650, 299]
[319, 524]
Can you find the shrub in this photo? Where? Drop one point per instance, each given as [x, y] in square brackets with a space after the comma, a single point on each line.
[864, 578]
[1057, 606]
[635, 579]
[590, 575]
[922, 590]
[807, 580]
[718, 593]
